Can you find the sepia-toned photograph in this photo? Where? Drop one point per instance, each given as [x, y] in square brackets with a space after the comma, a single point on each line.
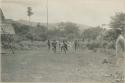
[62, 41]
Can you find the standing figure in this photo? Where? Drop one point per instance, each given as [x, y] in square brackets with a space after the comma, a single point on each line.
[120, 43]
[64, 47]
[54, 44]
[49, 45]
[59, 44]
[120, 53]
[75, 45]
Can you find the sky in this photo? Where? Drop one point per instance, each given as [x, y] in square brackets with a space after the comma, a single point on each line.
[88, 12]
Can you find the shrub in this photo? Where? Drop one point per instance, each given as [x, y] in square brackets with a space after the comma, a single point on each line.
[93, 44]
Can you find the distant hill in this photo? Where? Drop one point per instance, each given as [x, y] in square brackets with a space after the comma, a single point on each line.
[51, 25]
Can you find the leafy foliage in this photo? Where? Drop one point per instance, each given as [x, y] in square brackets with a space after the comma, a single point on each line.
[92, 33]
[65, 30]
[118, 21]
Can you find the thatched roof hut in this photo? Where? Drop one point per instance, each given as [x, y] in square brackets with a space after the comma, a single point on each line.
[5, 27]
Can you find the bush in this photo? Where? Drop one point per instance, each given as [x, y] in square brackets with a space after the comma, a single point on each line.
[93, 44]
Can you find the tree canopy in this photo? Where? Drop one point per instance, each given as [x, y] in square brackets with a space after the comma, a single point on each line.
[118, 21]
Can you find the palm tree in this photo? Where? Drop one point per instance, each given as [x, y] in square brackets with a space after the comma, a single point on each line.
[29, 12]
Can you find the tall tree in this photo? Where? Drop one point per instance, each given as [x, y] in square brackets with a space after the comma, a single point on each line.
[29, 12]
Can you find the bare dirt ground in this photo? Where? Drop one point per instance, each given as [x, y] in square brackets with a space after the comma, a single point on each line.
[41, 65]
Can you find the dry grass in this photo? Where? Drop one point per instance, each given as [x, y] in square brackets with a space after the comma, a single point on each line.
[41, 65]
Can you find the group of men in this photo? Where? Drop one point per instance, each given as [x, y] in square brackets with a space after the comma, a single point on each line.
[61, 45]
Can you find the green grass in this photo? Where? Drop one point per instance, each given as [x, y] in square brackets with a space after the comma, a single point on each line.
[42, 65]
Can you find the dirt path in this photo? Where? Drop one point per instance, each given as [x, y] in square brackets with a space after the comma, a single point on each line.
[42, 65]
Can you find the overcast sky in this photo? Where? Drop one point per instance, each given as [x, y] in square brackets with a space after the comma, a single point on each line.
[88, 12]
